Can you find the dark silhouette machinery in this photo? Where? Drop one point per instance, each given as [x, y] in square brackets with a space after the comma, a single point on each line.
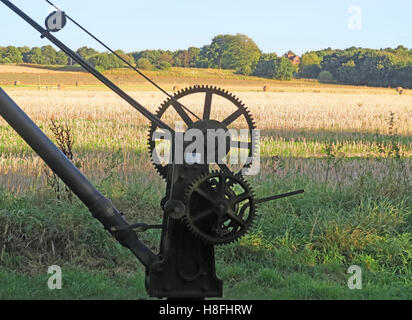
[202, 207]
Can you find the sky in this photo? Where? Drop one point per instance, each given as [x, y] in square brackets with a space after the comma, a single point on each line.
[276, 26]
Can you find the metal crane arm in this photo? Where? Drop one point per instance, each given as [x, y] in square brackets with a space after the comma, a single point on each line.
[100, 207]
[46, 34]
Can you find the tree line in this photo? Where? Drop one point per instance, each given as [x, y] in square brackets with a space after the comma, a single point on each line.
[44, 56]
[355, 66]
[358, 66]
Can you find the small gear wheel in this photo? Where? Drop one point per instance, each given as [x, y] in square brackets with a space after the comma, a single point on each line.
[239, 114]
[220, 207]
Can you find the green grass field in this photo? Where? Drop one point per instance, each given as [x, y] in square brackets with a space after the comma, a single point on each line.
[299, 248]
[349, 148]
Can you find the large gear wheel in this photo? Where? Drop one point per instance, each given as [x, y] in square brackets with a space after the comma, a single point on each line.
[204, 122]
[220, 207]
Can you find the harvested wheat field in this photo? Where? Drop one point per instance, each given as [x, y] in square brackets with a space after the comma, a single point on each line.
[351, 150]
[15, 69]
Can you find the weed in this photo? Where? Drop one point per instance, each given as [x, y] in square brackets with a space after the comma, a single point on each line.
[63, 136]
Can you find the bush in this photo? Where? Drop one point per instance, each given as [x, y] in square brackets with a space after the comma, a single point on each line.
[325, 76]
[164, 65]
[144, 64]
[310, 71]
[274, 68]
[245, 70]
[104, 61]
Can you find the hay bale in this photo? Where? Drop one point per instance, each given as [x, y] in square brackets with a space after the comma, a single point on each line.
[266, 88]
[176, 88]
[17, 83]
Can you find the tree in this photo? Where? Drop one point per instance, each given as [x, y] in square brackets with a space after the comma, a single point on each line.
[12, 55]
[289, 53]
[325, 76]
[309, 65]
[309, 71]
[181, 58]
[310, 58]
[275, 68]
[105, 61]
[49, 54]
[245, 70]
[144, 64]
[100, 61]
[348, 73]
[356, 66]
[283, 69]
[24, 49]
[2, 50]
[402, 77]
[194, 55]
[35, 56]
[61, 58]
[230, 52]
[186, 58]
[242, 54]
[360, 66]
[213, 53]
[86, 52]
[127, 57]
[376, 69]
[165, 56]
[151, 55]
[265, 66]
[164, 65]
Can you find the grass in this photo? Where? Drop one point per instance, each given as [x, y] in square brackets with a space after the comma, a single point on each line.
[78, 284]
[298, 249]
[350, 151]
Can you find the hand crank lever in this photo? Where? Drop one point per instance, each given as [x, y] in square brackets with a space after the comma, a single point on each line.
[279, 196]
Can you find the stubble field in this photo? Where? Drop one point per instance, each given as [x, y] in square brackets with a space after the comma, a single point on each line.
[349, 149]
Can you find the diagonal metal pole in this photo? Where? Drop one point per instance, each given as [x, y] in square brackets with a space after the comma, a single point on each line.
[100, 207]
[123, 60]
[46, 34]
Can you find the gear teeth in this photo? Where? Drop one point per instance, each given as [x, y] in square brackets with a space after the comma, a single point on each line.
[198, 89]
[204, 177]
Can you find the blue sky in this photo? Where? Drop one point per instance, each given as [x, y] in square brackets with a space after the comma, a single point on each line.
[276, 26]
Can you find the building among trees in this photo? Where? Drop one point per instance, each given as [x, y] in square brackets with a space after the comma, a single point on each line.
[294, 58]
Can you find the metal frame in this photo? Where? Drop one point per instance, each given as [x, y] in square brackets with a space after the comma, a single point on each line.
[185, 265]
